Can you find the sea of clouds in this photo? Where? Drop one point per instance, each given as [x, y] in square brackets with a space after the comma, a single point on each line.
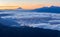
[31, 19]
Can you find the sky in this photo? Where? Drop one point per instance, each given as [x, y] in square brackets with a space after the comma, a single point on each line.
[27, 4]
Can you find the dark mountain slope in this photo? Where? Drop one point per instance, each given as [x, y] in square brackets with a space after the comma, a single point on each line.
[26, 32]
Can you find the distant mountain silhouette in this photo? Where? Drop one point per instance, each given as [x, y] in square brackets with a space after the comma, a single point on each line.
[26, 32]
[53, 9]
[19, 8]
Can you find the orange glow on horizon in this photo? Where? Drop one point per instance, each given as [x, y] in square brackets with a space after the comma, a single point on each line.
[8, 7]
[35, 6]
[28, 6]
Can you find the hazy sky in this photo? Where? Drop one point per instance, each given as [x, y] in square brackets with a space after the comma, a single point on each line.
[29, 4]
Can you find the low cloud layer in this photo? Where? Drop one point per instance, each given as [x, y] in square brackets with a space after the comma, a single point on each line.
[33, 19]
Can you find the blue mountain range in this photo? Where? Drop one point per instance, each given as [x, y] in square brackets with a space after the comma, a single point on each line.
[54, 9]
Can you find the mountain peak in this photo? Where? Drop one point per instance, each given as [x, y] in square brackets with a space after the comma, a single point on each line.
[19, 8]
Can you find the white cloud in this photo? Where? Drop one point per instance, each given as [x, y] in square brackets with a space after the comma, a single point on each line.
[48, 17]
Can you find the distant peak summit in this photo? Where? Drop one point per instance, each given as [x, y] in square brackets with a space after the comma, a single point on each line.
[19, 8]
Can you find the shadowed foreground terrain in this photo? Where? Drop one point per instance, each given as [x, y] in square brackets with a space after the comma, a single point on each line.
[26, 32]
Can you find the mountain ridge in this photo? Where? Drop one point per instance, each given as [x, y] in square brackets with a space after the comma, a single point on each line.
[52, 9]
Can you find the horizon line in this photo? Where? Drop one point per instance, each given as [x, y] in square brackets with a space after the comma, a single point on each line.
[15, 7]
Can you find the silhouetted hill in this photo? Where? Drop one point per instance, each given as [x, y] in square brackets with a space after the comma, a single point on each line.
[54, 9]
[26, 32]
